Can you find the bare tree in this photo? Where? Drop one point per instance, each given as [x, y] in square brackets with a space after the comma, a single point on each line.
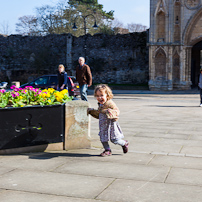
[118, 27]
[46, 17]
[4, 28]
[27, 25]
[136, 27]
[116, 23]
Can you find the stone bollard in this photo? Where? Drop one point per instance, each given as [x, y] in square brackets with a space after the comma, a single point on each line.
[77, 125]
[15, 83]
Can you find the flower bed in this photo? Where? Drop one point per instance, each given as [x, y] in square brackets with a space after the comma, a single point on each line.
[28, 96]
[37, 120]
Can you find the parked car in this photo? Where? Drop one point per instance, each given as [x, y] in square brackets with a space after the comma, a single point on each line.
[50, 81]
[3, 85]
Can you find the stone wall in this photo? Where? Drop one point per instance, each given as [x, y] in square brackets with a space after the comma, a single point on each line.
[112, 58]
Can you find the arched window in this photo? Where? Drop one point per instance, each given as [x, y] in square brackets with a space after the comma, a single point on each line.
[176, 68]
[160, 26]
[160, 64]
[177, 21]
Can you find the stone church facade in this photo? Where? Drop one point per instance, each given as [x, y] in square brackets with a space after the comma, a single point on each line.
[175, 44]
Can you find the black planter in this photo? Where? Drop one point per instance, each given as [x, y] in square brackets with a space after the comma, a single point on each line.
[29, 126]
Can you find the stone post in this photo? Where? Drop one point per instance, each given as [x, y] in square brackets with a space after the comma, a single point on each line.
[69, 52]
[77, 130]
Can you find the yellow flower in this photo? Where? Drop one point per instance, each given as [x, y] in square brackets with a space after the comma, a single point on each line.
[49, 101]
[44, 90]
[59, 96]
[48, 95]
[45, 94]
[51, 90]
[65, 91]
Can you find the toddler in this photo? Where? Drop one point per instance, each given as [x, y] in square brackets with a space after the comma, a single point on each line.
[107, 114]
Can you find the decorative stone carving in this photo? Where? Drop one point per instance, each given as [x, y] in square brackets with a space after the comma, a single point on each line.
[178, 22]
[192, 4]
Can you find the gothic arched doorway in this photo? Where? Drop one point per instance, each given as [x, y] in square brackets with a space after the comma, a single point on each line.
[196, 63]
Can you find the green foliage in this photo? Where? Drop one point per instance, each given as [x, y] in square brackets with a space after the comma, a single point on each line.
[105, 29]
[91, 5]
[32, 96]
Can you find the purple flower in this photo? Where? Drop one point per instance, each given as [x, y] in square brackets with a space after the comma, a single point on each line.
[14, 94]
[2, 91]
[13, 87]
[29, 88]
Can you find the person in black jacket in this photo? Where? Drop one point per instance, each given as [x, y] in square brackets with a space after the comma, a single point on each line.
[62, 78]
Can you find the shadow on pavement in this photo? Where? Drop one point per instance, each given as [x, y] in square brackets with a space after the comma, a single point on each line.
[171, 106]
[54, 155]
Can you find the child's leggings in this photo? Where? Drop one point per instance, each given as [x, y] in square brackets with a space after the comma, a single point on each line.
[115, 141]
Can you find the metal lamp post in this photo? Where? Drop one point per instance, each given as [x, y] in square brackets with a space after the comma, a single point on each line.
[85, 28]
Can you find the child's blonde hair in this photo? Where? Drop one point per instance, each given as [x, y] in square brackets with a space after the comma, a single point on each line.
[106, 88]
[61, 66]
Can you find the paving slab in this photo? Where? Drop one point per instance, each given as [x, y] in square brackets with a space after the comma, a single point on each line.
[155, 147]
[145, 129]
[168, 141]
[117, 157]
[137, 191]
[177, 162]
[195, 150]
[25, 162]
[196, 137]
[54, 183]
[163, 135]
[115, 170]
[185, 176]
[4, 170]
[19, 196]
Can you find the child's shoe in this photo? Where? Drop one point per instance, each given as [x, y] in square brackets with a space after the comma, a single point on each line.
[125, 147]
[106, 153]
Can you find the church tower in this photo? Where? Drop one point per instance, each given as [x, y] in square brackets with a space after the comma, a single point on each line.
[175, 44]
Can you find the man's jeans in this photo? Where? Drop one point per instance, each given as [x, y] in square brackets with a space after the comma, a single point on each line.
[83, 92]
[201, 95]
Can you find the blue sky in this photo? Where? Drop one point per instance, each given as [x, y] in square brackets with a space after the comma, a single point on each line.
[126, 11]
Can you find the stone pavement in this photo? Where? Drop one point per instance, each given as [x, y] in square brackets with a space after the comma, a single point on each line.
[164, 162]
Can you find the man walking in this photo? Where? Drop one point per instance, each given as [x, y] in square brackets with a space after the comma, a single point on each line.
[200, 86]
[84, 77]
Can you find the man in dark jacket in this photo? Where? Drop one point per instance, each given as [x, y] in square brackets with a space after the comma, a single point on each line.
[84, 77]
[200, 86]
